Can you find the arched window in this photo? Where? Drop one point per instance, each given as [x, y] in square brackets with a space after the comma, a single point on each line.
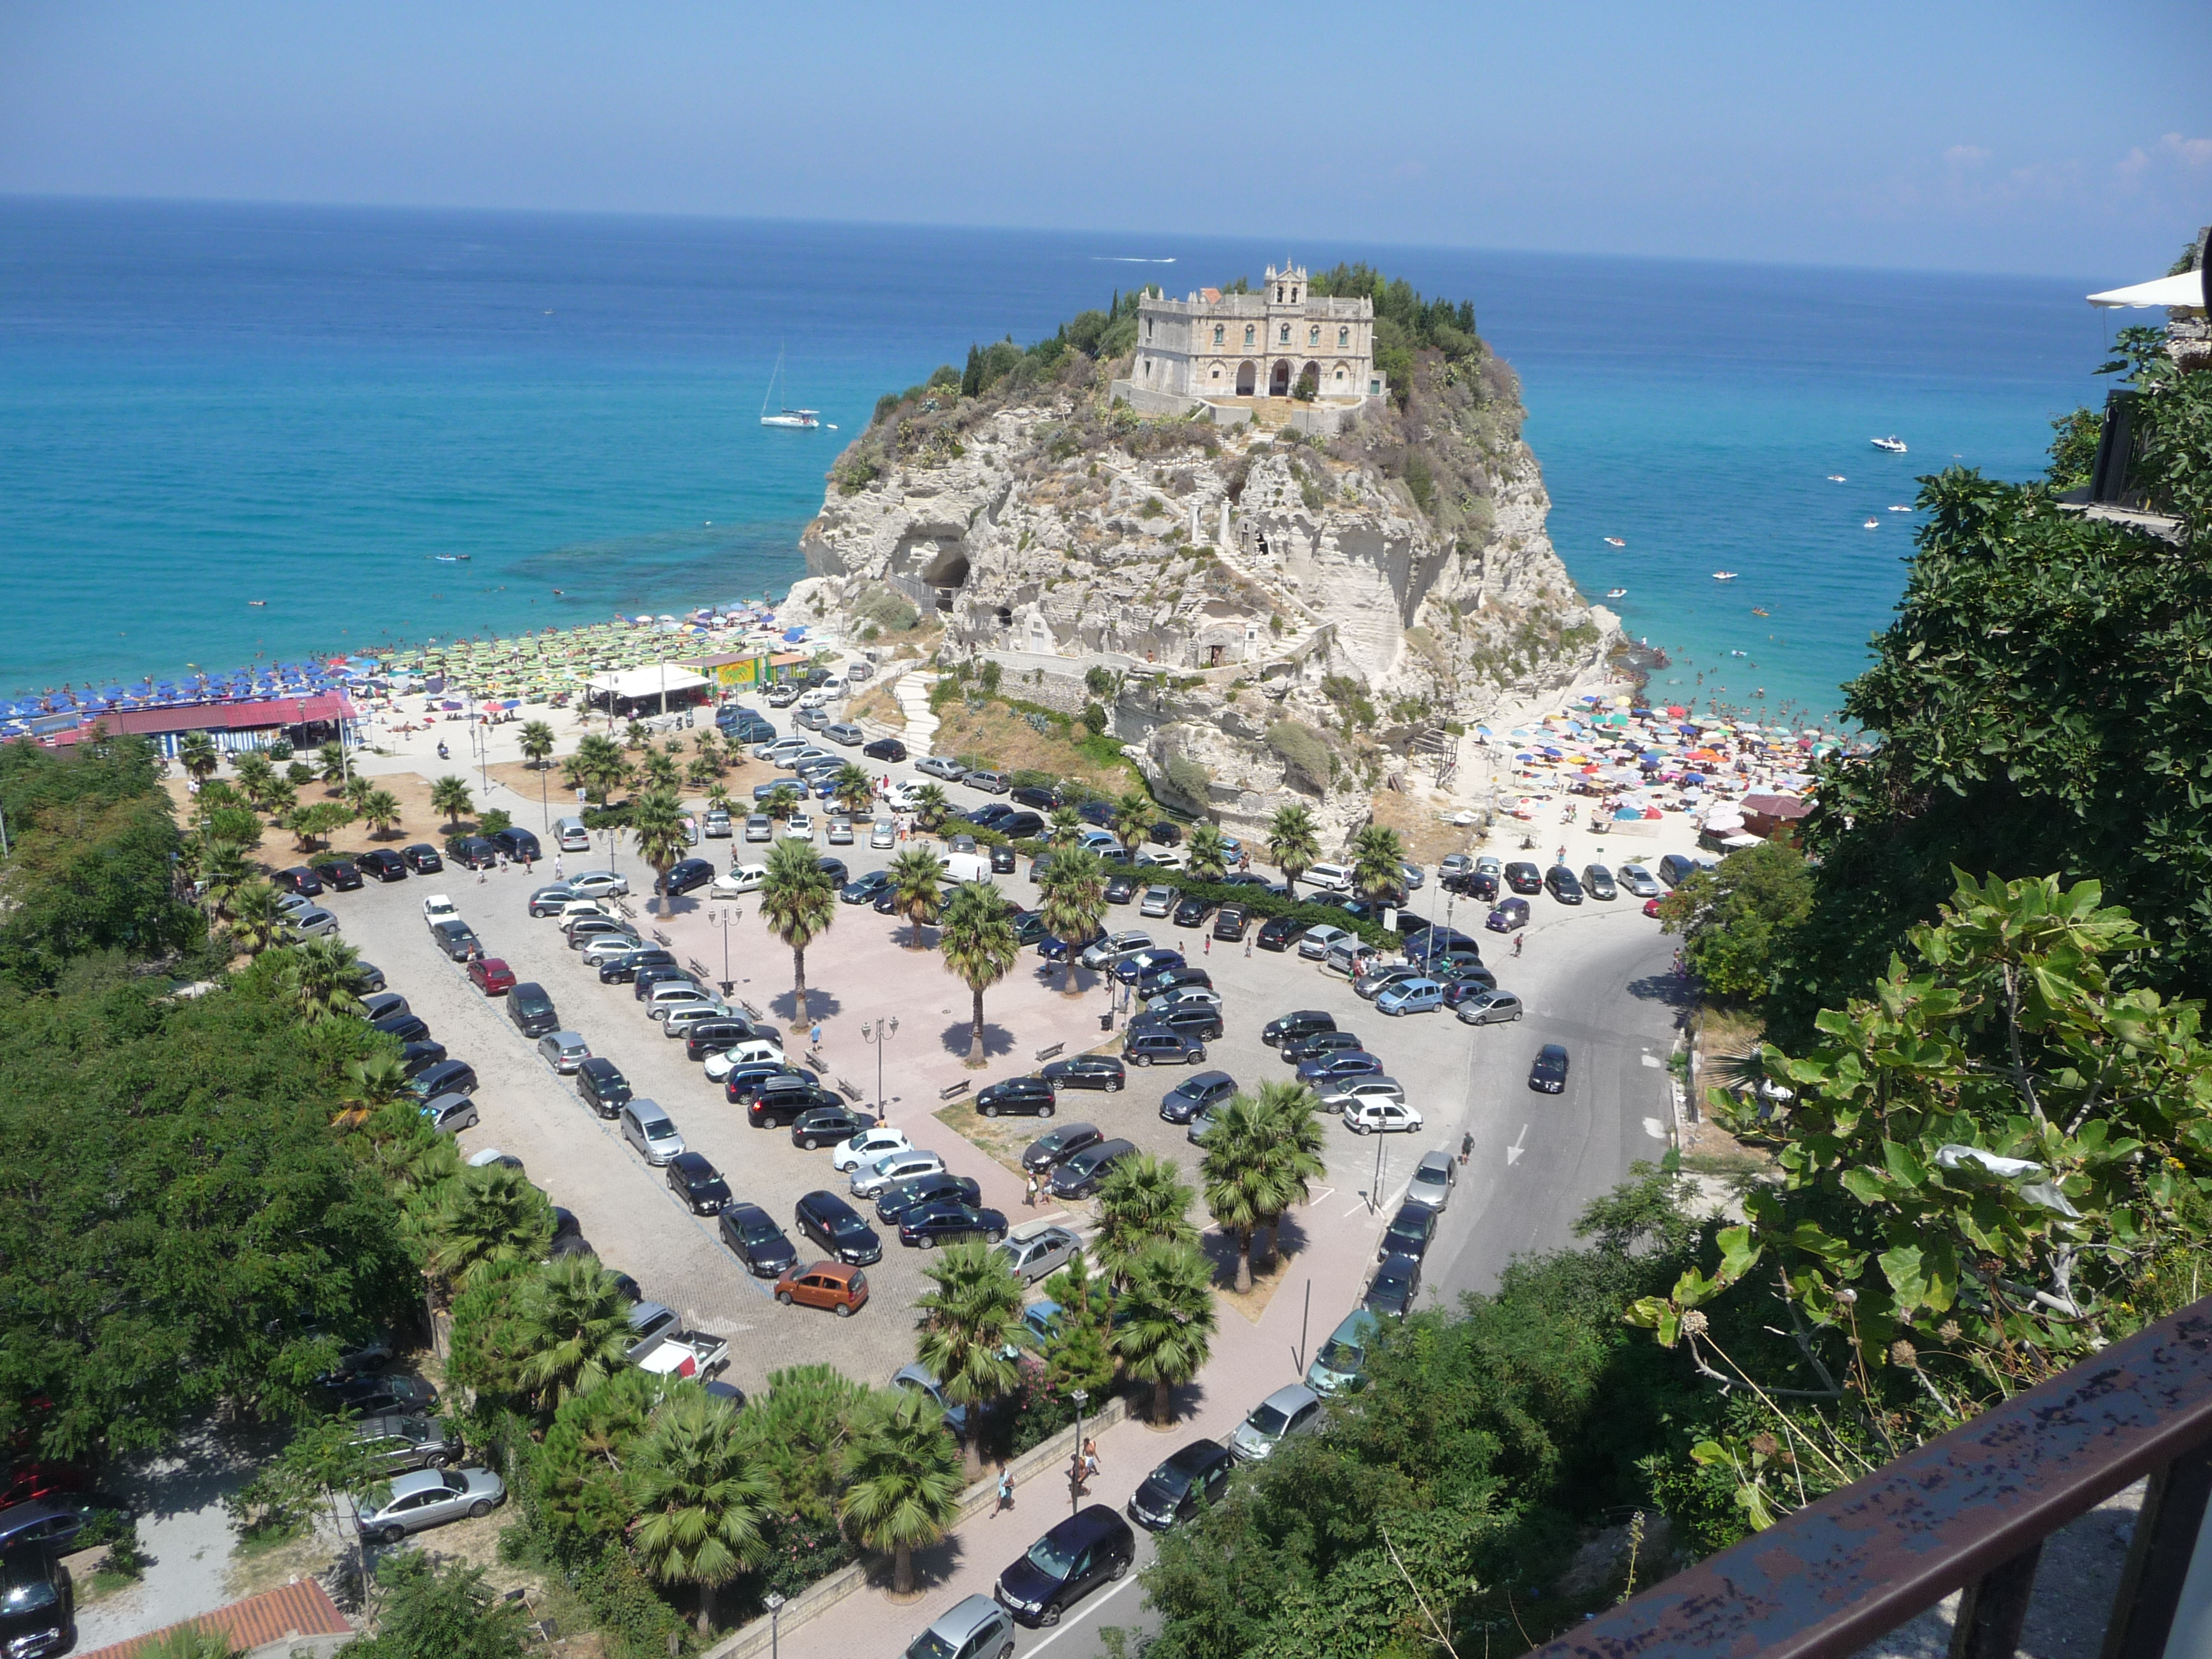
[1313, 335]
[1286, 334]
[1278, 294]
[1343, 338]
[1148, 328]
[1248, 334]
[1217, 334]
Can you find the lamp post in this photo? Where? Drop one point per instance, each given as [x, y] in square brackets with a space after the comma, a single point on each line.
[774, 1622]
[1081, 1396]
[722, 922]
[877, 1038]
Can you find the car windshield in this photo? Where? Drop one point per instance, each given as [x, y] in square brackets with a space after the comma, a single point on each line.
[843, 1226]
[1341, 1356]
[1268, 1421]
[1054, 1556]
[1429, 1177]
[659, 1129]
[26, 1594]
[930, 1645]
[757, 1230]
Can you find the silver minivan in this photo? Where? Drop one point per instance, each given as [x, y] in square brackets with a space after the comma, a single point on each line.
[648, 1129]
[571, 835]
[1291, 1409]
[975, 1628]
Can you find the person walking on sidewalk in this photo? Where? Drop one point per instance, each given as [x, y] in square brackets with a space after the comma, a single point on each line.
[1029, 1193]
[1090, 1461]
[1005, 1490]
[1075, 1487]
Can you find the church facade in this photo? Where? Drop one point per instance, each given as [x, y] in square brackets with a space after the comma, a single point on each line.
[1263, 345]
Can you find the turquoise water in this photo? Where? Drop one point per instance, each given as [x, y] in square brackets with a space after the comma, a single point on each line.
[201, 406]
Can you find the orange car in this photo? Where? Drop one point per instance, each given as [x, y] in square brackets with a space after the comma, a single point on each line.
[830, 1284]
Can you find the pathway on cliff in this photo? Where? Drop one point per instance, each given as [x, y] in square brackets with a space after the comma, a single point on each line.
[912, 691]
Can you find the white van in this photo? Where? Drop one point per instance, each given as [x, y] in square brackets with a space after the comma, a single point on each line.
[571, 835]
[967, 867]
[1329, 877]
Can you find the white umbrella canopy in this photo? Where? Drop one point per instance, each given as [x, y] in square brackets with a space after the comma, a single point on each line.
[2187, 291]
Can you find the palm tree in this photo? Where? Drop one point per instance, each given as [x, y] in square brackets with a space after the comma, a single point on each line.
[1063, 827]
[257, 919]
[657, 821]
[782, 801]
[279, 798]
[634, 736]
[970, 1320]
[450, 797]
[1167, 1314]
[255, 773]
[331, 765]
[1209, 858]
[1133, 821]
[1072, 895]
[223, 867]
[577, 1326]
[718, 796]
[377, 1082]
[324, 979]
[197, 755]
[702, 1499]
[537, 742]
[379, 809]
[854, 788]
[917, 881]
[659, 771]
[699, 772]
[490, 1218]
[1143, 1201]
[799, 904]
[357, 794]
[711, 750]
[1292, 844]
[931, 807]
[598, 767]
[1378, 860]
[902, 1478]
[976, 937]
[1261, 1156]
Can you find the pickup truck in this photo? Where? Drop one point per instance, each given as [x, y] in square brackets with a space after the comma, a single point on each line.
[686, 1354]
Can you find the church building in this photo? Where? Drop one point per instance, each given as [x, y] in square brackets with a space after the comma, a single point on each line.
[1263, 345]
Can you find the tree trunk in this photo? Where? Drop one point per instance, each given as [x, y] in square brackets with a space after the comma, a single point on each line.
[1266, 1257]
[976, 1039]
[1244, 1258]
[1068, 976]
[902, 1569]
[1162, 1402]
[799, 989]
[706, 1608]
[915, 942]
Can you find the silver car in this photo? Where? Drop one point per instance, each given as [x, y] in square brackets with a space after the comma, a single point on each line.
[885, 834]
[1291, 1409]
[1638, 880]
[314, 923]
[1157, 901]
[1038, 1249]
[564, 1051]
[1432, 1180]
[430, 1497]
[598, 883]
[451, 1114]
[871, 1178]
[976, 1628]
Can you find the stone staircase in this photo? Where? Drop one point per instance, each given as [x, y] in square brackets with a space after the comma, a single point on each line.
[913, 693]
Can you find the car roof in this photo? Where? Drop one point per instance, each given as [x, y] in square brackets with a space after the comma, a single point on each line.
[1197, 1455]
[417, 1480]
[1288, 1398]
[1433, 1161]
[1552, 1051]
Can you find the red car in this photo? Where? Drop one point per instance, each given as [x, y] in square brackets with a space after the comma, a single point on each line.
[1651, 907]
[491, 976]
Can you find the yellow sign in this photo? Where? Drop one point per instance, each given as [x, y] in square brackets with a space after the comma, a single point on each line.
[738, 673]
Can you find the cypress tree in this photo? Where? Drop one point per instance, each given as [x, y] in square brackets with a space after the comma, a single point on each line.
[971, 377]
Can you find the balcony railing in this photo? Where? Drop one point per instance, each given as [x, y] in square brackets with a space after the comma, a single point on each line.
[1967, 1512]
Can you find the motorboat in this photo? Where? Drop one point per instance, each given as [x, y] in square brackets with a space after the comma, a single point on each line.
[1871, 524]
[1616, 593]
[1724, 575]
[1900, 509]
[1838, 478]
[1758, 611]
[1614, 541]
[1894, 444]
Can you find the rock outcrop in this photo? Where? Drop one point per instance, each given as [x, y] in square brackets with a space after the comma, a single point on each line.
[1284, 616]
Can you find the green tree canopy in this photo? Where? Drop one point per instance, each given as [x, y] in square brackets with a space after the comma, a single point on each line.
[1737, 920]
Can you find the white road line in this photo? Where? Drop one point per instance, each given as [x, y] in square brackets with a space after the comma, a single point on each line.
[1068, 1625]
[1513, 1152]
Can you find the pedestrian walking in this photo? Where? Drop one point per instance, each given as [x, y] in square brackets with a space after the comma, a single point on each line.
[814, 1034]
[1030, 1193]
[503, 864]
[1248, 949]
[1209, 945]
[1005, 1490]
[1089, 1459]
[556, 866]
[1075, 1475]
[1517, 937]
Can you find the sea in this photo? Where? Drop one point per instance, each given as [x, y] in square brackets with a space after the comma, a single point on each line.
[231, 434]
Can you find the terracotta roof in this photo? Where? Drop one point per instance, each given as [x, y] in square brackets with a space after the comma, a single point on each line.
[231, 716]
[299, 1608]
[1775, 806]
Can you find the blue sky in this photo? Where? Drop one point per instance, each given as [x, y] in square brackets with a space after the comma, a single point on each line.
[2068, 139]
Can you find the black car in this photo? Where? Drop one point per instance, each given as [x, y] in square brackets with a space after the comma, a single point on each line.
[659, 973]
[531, 1009]
[1003, 860]
[416, 1058]
[382, 863]
[1166, 979]
[372, 976]
[1056, 1146]
[298, 880]
[697, 1182]
[1482, 885]
[1280, 933]
[1172, 1492]
[739, 1084]
[1564, 887]
[472, 852]
[1020, 826]
[1028, 926]
[835, 869]
[422, 859]
[377, 1005]
[602, 1086]
[625, 967]
[1030, 795]
[778, 1104]
[989, 815]
[752, 1236]
[1524, 878]
[1098, 814]
[1192, 911]
[865, 890]
[383, 1396]
[1390, 1293]
[824, 1126]
[885, 749]
[1075, 1557]
[1231, 922]
[938, 1184]
[1314, 1044]
[683, 875]
[446, 1077]
[339, 875]
[1196, 1092]
[1468, 982]
[1078, 1175]
[1410, 1230]
[1549, 1074]
[518, 844]
[38, 1604]
[408, 1027]
[1121, 888]
[837, 1227]
[1291, 1028]
[1165, 833]
[1031, 1095]
[714, 1036]
[946, 1221]
[1197, 1020]
[1088, 1072]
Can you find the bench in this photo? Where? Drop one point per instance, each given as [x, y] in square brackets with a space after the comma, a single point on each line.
[698, 969]
[751, 1012]
[659, 937]
[846, 1089]
[954, 1090]
[1044, 1054]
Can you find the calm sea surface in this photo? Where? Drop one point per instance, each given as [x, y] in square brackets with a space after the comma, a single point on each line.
[205, 405]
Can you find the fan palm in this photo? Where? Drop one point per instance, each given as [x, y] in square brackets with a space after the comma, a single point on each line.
[1261, 1157]
[799, 903]
[331, 765]
[358, 793]
[278, 798]
[976, 937]
[970, 1319]
[576, 1329]
[537, 742]
[377, 1082]
[488, 1219]
[1072, 896]
[657, 821]
[902, 1478]
[1378, 860]
[917, 882]
[1292, 843]
[1063, 827]
[450, 798]
[324, 979]
[257, 919]
[702, 1498]
[197, 755]
[782, 801]
[223, 867]
[1166, 1313]
[931, 807]
[659, 771]
[1143, 1201]
[598, 767]
[1133, 821]
[853, 788]
[255, 773]
[1208, 855]
[379, 809]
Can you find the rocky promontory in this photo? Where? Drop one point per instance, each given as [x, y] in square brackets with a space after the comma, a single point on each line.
[1267, 600]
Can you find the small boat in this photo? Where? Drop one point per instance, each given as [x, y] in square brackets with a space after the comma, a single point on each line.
[257, 604]
[1757, 610]
[1837, 477]
[1893, 444]
[1724, 575]
[1616, 593]
[450, 558]
[1900, 509]
[805, 419]
[1614, 541]
[1871, 524]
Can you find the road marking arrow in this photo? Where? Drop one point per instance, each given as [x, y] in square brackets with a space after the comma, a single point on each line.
[1513, 1152]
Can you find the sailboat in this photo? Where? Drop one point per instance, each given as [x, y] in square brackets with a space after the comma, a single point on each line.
[808, 418]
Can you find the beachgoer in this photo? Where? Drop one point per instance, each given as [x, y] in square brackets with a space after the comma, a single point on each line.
[1030, 1193]
[1248, 948]
[1089, 1459]
[1005, 1490]
[1209, 945]
[814, 1034]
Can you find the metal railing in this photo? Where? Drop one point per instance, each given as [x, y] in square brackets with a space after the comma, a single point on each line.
[1967, 1512]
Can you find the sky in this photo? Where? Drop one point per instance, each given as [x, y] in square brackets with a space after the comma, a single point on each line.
[2061, 139]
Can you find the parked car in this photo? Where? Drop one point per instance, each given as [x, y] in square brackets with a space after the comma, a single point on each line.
[1523, 877]
[1039, 1249]
[530, 1007]
[1232, 922]
[447, 1077]
[1410, 996]
[975, 1627]
[1297, 1049]
[1390, 1293]
[1078, 1175]
[1295, 1027]
[1510, 915]
[823, 1126]
[865, 1146]
[1565, 889]
[1409, 1232]
[339, 874]
[1200, 1089]
[448, 1115]
[946, 1220]
[749, 1233]
[1087, 1072]
[1291, 1409]
[1173, 1492]
[1341, 1367]
[457, 940]
[938, 1186]
[1489, 1007]
[1676, 867]
[837, 1227]
[601, 1086]
[472, 851]
[695, 1180]
[943, 768]
[684, 876]
[1598, 883]
[1548, 1074]
[1432, 1180]
[382, 863]
[1054, 1146]
[1159, 900]
[1279, 934]
[1345, 1062]
[422, 859]
[885, 749]
[1193, 911]
[646, 1128]
[1120, 888]
[836, 1286]
[429, 1497]
[1639, 881]
[1368, 1117]
[314, 922]
[1161, 1046]
[564, 1051]
[1021, 1096]
[491, 976]
[1091, 1547]
[299, 880]
[1314, 945]
[892, 1168]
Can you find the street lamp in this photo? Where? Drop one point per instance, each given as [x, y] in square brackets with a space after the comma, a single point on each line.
[878, 1039]
[722, 922]
[774, 1621]
[1081, 1396]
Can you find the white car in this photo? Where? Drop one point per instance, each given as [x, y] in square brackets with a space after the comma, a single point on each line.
[885, 832]
[438, 907]
[902, 797]
[819, 697]
[606, 945]
[892, 1168]
[1175, 996]
[1314, 943]
[1368, 1117]
[867, 1146]
[761, 1050]
[1329, 877]
[1160, 857]
[800, 828]
[599, 884]
[741, 878]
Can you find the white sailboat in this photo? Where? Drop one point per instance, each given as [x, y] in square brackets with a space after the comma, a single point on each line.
[807, 418]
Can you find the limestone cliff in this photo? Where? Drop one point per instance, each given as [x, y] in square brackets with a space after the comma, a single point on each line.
[1290, 598]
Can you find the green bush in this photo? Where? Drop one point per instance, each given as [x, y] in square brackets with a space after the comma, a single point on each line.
[1305, 751]
[493, 819]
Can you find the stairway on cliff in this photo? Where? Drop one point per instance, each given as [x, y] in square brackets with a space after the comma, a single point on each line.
[912, 691]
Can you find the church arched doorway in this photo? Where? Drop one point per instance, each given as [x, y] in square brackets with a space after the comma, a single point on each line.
[1309, 381]
[1246, 379]
[1278, 383]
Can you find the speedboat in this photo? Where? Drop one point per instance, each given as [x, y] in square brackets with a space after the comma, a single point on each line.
[1724, 575]
[1900, 509]
[1894, 444]
[1616, 593]
[1837, 477]
[1614, 541]
[1871, 524]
